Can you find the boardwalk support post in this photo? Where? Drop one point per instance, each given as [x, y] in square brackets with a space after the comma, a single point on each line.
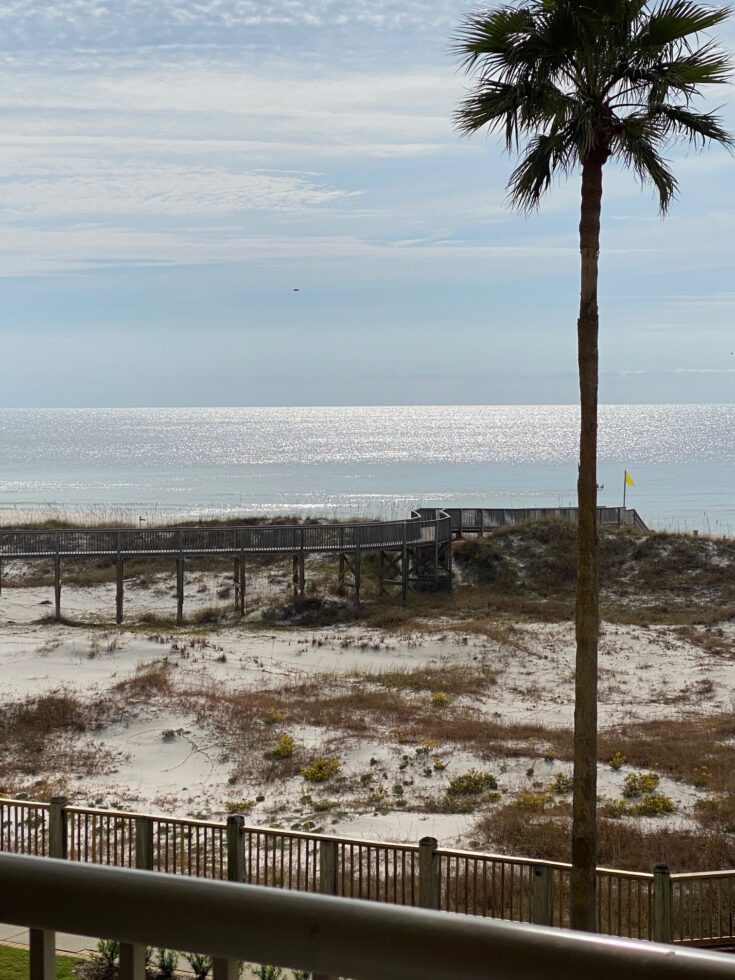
[357, 571]
[57, 586]
[429, 889]
[541, 895]
[404, 565]
[302, 565]
[662, 921]
[119, 598]
[179, 591]
[241, 585]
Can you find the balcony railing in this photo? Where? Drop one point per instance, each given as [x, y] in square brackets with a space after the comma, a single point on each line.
[331, 937]
[684, 908]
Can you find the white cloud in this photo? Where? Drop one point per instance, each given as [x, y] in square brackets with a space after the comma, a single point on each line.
[81, 187]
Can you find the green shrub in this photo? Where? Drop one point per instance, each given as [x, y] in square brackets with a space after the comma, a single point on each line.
[166, 960]
[639, 783]
[264, 972]
[459, 804]
[702, 776]
[472, 783]
[617, 761]
[653, 805]
[200, 963]
[561, 784]
[321, 769]
[103, 964]
[440, 700]
[284, 747]
[527, 800]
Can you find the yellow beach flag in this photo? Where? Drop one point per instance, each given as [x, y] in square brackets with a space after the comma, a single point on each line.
[627, 482]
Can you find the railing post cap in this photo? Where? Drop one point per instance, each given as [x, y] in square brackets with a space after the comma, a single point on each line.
[60, 800]
[661, 869]
[428, 842]
[236, 818]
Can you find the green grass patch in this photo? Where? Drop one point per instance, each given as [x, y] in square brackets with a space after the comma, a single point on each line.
[15, 965]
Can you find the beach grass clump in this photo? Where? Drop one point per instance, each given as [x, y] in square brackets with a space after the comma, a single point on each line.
[320, 769]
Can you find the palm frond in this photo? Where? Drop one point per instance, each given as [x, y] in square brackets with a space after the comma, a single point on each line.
[677, 20]
[635, 144]
[546, 154]
[698, 128]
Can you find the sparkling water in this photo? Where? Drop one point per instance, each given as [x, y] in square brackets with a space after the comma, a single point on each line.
[125, 463]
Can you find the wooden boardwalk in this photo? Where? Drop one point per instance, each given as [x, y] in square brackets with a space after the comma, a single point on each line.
[416, 552]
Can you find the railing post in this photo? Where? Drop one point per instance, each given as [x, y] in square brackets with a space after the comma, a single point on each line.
[327, 881]
[224, 969]
[42, 942]
[541, 895]
[132, 962]
[42, 954]
[428, 873]
[132, 956]
[57, 828]
[235, 850]
[328, 867]
[662, 922]
[144, 843]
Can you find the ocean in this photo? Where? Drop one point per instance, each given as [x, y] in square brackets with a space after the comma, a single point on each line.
[364, 461]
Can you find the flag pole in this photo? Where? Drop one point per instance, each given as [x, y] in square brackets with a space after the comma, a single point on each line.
[625, 486]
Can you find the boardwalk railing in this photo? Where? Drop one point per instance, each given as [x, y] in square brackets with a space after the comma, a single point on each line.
[258, 539]
[317, 933]
[476, 520]
[693, 909]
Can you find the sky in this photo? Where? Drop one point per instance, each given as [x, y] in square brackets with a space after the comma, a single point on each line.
[254, 202]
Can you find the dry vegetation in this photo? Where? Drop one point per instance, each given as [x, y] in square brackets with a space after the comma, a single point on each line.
[45, 735]
[644, 576]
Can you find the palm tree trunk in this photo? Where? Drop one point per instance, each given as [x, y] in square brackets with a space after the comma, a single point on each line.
[584, 810]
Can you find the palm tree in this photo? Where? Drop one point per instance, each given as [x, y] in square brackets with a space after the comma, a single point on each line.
[573, 84]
